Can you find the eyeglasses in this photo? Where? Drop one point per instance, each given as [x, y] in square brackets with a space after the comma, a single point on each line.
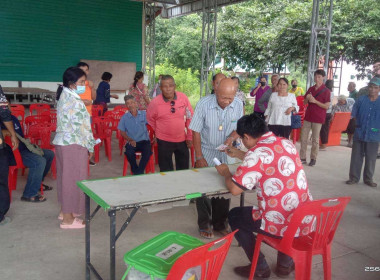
[172, 109]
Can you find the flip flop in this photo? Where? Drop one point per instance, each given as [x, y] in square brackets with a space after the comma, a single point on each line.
[77, 223]
[46, 187]
[208, 231]
[60, 216]
[35, 199]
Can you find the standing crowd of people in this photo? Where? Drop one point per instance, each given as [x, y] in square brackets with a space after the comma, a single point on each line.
[270, 161]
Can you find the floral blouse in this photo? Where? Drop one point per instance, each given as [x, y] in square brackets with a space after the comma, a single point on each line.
[140, 92]
[73, 122]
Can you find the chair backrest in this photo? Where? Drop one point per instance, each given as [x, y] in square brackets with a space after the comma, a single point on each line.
[17, 107]
[39, 108]
[97, 110]
[151, 132]
[51, 114]
[101, 126]
[326, 215]
[210, 257]
[33, 120]
[300, 104]
[120, 108]
[20, 115]
[340, 121]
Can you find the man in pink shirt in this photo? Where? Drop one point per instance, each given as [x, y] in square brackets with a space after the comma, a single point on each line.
[169, 114]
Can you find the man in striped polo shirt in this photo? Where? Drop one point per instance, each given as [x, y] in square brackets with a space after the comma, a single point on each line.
[214, 123]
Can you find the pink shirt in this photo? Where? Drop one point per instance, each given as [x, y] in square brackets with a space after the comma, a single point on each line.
[170, 126]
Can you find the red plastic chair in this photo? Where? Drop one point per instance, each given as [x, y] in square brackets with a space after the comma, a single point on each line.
[97, 110]
[17, 107]
[122, 108]
[53, 118]
[101, 128]
[33, 120]
[338, 124]
[39, 108]
[45, 134]
[210, 257]
[326, 214]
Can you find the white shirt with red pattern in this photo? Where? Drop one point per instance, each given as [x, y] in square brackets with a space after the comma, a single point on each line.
[275, 169]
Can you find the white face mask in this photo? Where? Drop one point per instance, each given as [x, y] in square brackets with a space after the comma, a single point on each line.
[80, 89]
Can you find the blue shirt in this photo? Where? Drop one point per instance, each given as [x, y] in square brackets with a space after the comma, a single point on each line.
[207, 119]
[367, 115]
[18, 129]
[135, 127]
[103, 92]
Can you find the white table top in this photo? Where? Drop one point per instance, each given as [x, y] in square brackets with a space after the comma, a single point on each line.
[150, 189]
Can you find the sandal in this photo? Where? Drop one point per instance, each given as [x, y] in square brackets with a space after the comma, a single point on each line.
[35, 199]
[60, 216]
[77, 223]
[46, 187]
[206, 233]
[224, 232]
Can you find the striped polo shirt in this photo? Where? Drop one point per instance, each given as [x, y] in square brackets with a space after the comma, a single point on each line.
[207, 119]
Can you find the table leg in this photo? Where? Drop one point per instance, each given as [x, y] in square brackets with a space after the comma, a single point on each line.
[112, 215]
[242, 197]
[88, 240]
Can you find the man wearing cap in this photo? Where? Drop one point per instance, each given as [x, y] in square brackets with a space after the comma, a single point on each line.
[345, 105]
[366, 111]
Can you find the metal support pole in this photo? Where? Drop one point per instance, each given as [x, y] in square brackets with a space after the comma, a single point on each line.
[112, 215]
[319, 47]
[87, 237]
[209, 30]
[150, 43]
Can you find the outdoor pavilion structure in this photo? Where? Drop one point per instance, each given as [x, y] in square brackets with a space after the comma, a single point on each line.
[319, 46]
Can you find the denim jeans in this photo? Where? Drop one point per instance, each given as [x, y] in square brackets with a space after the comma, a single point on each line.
[4, 191]
[146, 151]
[38, 166]
[241, 218]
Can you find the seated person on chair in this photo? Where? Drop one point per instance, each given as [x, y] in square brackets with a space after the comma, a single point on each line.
[132, 127]
[38, 166]
[273, 167]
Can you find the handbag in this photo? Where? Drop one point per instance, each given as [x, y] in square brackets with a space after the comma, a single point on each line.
[31, 147]
[295, 121]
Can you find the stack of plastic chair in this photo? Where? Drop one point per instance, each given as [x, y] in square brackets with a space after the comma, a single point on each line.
[17, 107]
[31, 121]
[171, 255]
[122, 108]
[101, 128]
[150, 165]
[53, 119]
[326, 215]
[39, 108]
[296, 133]
[97, 110]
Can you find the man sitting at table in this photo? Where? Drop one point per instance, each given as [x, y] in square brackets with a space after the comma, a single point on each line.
[38, 166]
[273, 167]
[132, 127]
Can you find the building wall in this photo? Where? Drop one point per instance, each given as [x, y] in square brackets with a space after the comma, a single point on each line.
[40, 39]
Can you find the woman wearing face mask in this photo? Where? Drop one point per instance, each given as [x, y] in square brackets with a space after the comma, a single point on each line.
[74, 144]
[258, 92]
[298, 91]
[280, 106]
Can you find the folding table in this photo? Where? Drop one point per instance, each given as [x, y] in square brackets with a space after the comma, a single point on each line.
[134, 192]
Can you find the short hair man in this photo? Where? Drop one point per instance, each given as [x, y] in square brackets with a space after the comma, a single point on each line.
[366, 111]
[345, 105]
[169, 115]
[318, 97]
[273, 167]
[213, 124]
[133, 128]
[353, 93]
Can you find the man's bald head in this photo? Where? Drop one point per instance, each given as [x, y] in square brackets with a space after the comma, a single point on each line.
[225, 92]
[216, 80]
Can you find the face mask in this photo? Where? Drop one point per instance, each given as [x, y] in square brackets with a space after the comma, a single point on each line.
[80, 89]
[294, 86]
[262, 83]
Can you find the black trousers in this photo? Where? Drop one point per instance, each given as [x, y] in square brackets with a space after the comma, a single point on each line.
[4, 191]
[165, 155]
[213, 212]
[241, 218]
[324, 134]
[146, 151]
[281, 130]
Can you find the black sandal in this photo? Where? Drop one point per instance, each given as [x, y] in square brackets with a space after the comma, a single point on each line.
[46, 187]
[36, 199]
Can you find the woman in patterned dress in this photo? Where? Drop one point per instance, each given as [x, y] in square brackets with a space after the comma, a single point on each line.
[74, 144]
[140, 91]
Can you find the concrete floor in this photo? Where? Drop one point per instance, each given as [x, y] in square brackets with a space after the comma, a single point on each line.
[33, 246]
